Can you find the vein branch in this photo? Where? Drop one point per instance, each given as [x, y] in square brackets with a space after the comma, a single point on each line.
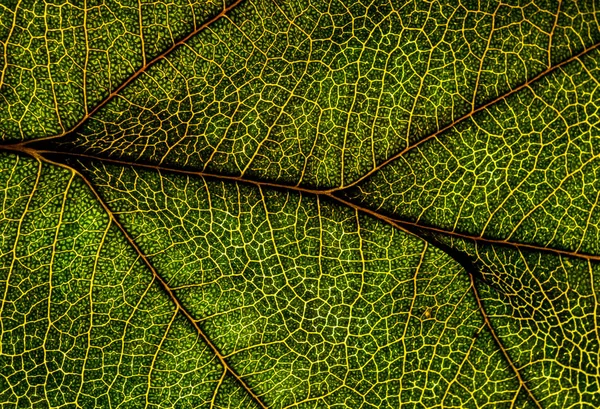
[490, 327]
[410, 228]
[407, 225]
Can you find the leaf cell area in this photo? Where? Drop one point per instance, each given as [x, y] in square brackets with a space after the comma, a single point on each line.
[299, 204]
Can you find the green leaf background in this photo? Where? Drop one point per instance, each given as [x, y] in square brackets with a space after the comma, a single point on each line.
[308, 204]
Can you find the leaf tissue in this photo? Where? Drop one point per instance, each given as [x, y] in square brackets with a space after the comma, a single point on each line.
[299, 204]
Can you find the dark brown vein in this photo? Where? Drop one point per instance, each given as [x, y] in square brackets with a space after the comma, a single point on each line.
[412, 229]
[405, 226]
[490, 328]
[502, 242]
[330, 193]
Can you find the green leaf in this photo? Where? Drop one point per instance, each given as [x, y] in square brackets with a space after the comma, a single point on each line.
[299, 204]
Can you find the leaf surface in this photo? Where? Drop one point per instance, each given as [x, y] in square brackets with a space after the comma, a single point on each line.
[299, 204]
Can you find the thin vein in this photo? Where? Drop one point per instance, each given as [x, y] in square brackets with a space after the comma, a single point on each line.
[91, 301]
[7, 42]
[158, 348]
[216, 391]
[408, 226]
[490, 327]
[50, 276]
[551, 35]
[14, 249]
[596, 314]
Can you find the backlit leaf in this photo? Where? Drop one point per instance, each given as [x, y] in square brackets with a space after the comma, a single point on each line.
[275, 204]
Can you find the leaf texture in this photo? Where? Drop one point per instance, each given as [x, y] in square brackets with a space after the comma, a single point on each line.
[320, 94]
[524, 170]
[265, 204]
[61, 59]
[545, 309]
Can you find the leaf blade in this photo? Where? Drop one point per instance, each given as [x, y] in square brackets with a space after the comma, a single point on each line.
[306, 290]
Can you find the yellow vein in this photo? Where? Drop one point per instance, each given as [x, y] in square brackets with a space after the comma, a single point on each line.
[91, 301]
[50, 274]
[329, 193]
[488, 324]
[14, 249]
[407, 228]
